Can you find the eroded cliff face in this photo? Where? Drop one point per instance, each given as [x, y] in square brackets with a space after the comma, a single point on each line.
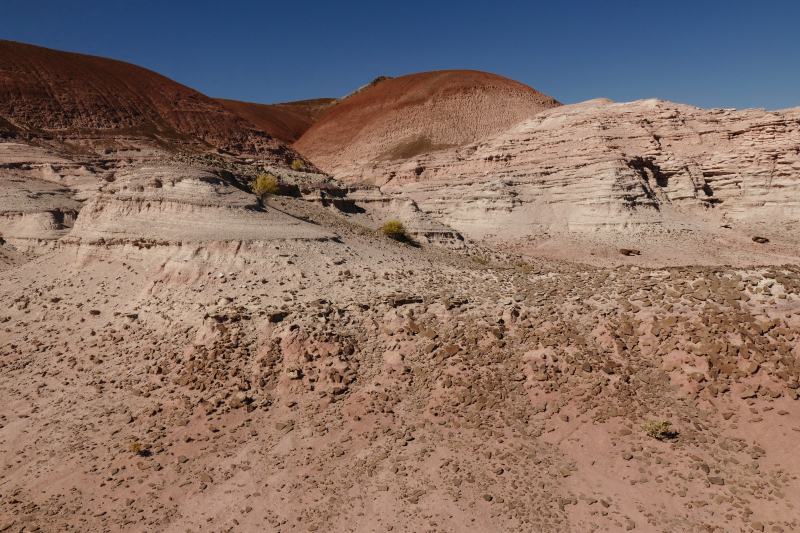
[601, 164]
[162, 204]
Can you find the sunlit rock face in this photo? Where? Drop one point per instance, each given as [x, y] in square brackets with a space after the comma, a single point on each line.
[604, 165]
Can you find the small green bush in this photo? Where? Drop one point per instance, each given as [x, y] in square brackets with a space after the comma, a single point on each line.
[297, 164]
[264, 186]
[394, 229]
[658, 429]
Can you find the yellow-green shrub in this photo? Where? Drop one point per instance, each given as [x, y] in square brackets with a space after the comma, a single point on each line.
[264, 186]
[394, 229]
[658, 429]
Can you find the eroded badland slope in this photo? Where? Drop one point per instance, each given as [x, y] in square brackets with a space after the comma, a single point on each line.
[286, 122]
[288, 368]
[178, 355]
[579, 182]
[80, 104]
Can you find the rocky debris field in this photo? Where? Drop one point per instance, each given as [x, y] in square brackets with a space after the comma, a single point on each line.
[359, 384]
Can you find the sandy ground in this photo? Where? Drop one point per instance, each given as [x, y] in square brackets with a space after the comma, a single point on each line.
[358, 384]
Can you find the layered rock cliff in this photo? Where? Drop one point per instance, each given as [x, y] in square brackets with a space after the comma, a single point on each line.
[167, 204]
[601, 164]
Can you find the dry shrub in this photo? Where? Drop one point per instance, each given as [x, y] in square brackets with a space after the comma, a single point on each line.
[522, 265]
[297, 164]
[394, 229]
[135, 447]
[658, 429]
[264, 186]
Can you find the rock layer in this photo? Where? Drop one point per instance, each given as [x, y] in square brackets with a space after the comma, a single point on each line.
[156, 205]
[601, 164]
[37, 202]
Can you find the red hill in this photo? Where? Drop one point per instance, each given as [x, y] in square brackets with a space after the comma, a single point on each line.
[286, 122]
[406, 116]
[79, 101]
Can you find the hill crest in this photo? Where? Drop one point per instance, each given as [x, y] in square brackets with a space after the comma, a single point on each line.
[409, 115]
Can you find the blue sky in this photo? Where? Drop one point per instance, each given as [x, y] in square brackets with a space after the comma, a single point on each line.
[705, 53]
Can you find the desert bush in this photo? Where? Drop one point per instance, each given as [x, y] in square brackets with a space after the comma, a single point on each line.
[394, 229]
[481, 260]
[297, 164]
[658, 429]
[264, 186]
[522, 265]
[135, 447]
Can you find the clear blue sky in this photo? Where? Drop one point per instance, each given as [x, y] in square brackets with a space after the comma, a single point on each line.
[707, 53]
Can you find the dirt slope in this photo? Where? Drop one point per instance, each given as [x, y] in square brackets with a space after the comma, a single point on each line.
[307, 383]
[286, 122]
[402, 117]
[62, 98]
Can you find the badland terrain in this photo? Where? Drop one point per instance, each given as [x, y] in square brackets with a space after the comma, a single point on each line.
[592, 323]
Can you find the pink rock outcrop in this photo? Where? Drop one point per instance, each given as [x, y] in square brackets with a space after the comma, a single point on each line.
[601, 164]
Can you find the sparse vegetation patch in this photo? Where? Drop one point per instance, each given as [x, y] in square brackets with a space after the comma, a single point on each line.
[264, 186]
[658, 429]
[394, 229]
[136, 448]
